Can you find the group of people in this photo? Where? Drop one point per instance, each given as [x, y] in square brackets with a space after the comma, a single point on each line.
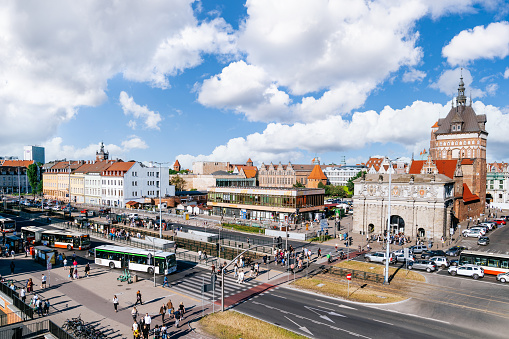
[142, 325]
[73, 268]
[40, 305]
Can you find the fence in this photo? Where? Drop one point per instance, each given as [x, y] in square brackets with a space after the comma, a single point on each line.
[33, 330]
[362, 275]
[26, 312]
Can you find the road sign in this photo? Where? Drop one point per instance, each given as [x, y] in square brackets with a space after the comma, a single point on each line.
[49, 266]
[349, 276]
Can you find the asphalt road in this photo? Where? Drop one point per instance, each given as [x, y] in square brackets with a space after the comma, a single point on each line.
[321, 317]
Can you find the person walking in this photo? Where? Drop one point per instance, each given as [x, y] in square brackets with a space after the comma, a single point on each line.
[165, 281]
[46, 307]
[145, 330]
[30, 285]
[162, 312]
[43, 281]
[76, 275]
[115, 303]
[148, 320]
[138, 298]
[65, 263]
[182, 310]
[12, 266]
[23, 294]
[136, 330]
[87, 270]
[134, 313]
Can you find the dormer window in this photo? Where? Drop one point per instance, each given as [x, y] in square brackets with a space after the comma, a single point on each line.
[453, 127]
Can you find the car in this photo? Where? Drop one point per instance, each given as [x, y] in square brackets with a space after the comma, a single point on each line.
[426, 265]
[133, 216]
[483, 241]
[440, 261]
[455, 251]
[500, 221]
[490, 224]
[471, 233]
[401, 258]
[418, 248]
[85, 211]
[467, 270]
[378, 257]
[434, 253]
[401, 251]
[104, 210]
[503, 277]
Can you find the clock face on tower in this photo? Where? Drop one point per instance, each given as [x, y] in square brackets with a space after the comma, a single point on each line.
[395, 191]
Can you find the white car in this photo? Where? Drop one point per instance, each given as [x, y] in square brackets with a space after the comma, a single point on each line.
[467, 270]
[503, 277]
[474, 233]
[440, 261]
[133, 215]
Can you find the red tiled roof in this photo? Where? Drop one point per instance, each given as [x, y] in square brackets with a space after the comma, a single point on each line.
[132, 203]
[446, 167]
[435, 125]
[18, 163]
[176, 164]
[317, 173]
[121, 166]
[250, 173]
[467, 194]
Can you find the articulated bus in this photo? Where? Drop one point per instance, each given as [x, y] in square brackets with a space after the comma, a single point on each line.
[136, 259]
[7, 225]
[492, 263]
[32, 234]
[65, 239]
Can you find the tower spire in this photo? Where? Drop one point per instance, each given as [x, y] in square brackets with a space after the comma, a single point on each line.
[461, 99]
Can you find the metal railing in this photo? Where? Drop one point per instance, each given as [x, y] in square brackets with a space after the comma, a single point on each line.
[362, 275]
[33, 330]
[26, 310]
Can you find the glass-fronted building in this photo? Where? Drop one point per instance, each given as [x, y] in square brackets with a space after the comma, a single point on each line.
[266, 203]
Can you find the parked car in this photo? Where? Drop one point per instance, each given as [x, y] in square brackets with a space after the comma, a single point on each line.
[435, 253]
[440, 261]
[500, 221]
[467, 270]
[471, 233]
[418, 248]
[401, 251]
[133, 216]
[483, 241]
[455, 251]
[401, 258]
[503, 277]
[378, 257]
[490, 224]
[426, 265]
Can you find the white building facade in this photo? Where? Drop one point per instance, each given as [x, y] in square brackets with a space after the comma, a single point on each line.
[339, 176]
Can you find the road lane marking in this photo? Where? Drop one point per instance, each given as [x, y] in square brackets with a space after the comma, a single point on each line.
[275, 295]
[313, 321]
[338, 305]
[383, 322]
[302, 328]
[411, 315]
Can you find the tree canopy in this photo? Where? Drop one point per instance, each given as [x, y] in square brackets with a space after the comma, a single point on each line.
[350, 183]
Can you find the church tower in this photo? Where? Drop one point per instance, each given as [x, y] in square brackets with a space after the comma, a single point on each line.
[462, 136]
[102, 155]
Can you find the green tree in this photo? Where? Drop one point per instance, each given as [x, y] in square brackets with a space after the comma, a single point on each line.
[350, 183]
[33, 177]
[178, 182]
[298, 184]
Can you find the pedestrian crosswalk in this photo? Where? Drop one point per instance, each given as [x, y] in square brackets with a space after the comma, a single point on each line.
[192, 285]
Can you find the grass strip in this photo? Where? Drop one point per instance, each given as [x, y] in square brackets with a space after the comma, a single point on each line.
[401, 273]
[243, 228]
[234, 325]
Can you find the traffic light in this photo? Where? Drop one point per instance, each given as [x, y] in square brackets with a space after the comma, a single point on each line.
[217, 247]
[350, 240]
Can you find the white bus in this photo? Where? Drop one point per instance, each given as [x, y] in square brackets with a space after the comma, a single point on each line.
[136, 259]
[32, 234]
[492, 263]
[65, 239]
[7, 225]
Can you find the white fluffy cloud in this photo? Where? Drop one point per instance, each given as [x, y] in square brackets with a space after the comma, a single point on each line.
[151, 118]
[448, 83]
[57, 56]
[278, 142]
[479, 43]
[55, 149]
[331, 53]
[506, 73]
[413, 75]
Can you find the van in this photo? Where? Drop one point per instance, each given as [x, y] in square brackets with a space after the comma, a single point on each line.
[418, 248]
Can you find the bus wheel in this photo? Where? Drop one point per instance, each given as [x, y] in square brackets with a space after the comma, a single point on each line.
[69, 247]
[150, 270]
[112, 264]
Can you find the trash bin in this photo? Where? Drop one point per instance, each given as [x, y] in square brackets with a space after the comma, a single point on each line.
[135, 278]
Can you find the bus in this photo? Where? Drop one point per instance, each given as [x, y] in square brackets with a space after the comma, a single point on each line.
[65, 239]
[492, 263]
[7, 225]
[136, 259]
[32, 234]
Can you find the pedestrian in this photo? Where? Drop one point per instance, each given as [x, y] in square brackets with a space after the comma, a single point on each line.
[169, 307]
[182, 310]
[177, 318]
[12, 266]
[65, 263]
[38, 306]
[138, 298]
[134, 313]
[145, 330]
[43, 281]
[162, 312]
[87, 270]
[71, 272]
[165, 281]
[115, 303]
[73, 256]
[148, 320]
[319, 252]
[75, 264]
[23, 294]
[46, 307]
[136, 330]
[30, 285]
[199, 256]
[76, 275]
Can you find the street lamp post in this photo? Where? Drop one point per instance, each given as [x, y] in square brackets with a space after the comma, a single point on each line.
[160, 203]
[386, 280]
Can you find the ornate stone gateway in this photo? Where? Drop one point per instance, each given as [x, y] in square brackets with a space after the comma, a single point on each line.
[420, 205]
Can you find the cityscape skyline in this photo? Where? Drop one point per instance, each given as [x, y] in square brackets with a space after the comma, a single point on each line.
[369, 79]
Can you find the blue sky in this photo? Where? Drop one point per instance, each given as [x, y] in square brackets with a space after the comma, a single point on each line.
[225, 81]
